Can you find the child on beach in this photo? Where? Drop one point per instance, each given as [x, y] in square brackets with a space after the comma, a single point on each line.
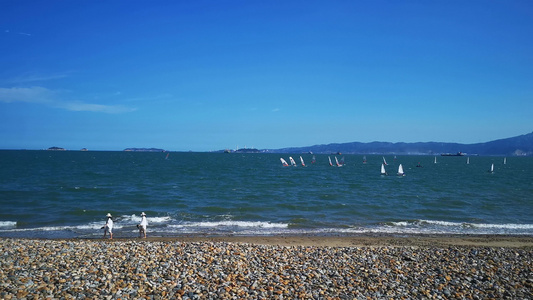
[142, 225]
[108, 227]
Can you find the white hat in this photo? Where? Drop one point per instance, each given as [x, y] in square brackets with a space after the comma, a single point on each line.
[143, 214]
[108, 215]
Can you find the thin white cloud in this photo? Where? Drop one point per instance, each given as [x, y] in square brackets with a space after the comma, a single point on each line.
[21, 33]
[275, 110]
[34, 94]
[36, 77]
[44, 96]
[80, 106]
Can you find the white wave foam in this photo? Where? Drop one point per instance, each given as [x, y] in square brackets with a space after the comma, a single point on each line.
[446, 227]
[463, 224]
[425, 222]
[136, 219]
[8, 224]
[504, 226]
[96, 226]
[240, 224]
[170, 226]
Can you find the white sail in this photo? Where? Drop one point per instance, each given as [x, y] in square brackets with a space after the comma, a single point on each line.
[435, 160]
[330, 161]
[302, 160]
[400, 170]
[384, 161]
[505, 160]
[284, 162]
[492, 168]
[468, 160]
[293, 163]
[383, 172]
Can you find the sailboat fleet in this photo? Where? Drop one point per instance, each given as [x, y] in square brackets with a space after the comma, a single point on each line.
[340, 163]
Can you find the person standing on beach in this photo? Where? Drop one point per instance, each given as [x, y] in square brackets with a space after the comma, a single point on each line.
[108, 227]
[142, 225]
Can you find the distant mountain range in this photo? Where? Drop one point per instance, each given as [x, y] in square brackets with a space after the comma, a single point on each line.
[515, 146]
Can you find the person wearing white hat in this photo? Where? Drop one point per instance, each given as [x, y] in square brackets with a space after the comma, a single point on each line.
[142, 225]
[108, 227]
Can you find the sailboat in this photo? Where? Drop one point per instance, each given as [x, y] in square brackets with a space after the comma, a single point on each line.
[284, 162]
[167, 155]
[491, 168]
[400, 170]
[364, 159]
[293, 163]
[383, 172]
[468, 160]
[342, 161]
[337, 162]
[313, 160]
[330, 161]
[384, 161]
[505, 160]
[302, 160]
[435, 160]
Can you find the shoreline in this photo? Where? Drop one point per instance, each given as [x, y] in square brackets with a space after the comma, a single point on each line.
[366, 241]
[503, 241]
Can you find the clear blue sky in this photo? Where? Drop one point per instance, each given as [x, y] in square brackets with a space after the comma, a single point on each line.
[210, 75]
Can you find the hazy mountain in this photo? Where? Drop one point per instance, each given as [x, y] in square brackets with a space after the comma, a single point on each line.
[515, 146]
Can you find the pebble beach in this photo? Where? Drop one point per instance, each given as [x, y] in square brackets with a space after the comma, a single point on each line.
[263, 268]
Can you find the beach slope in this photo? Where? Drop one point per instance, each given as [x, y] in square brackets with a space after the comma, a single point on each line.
[260, 267]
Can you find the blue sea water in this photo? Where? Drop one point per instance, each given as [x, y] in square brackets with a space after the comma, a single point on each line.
[67, 194]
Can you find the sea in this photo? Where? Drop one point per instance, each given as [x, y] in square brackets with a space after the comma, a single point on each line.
[67, 194]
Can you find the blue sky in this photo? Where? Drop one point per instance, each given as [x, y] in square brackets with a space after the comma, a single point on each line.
[210, 75]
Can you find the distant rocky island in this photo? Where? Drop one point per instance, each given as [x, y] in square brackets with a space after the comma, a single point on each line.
[56, 149]
[144, 150]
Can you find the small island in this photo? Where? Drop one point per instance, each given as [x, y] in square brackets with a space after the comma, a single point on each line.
[56, 149]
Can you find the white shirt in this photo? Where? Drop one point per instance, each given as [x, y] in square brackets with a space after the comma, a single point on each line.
[144, 222]
[109, 224]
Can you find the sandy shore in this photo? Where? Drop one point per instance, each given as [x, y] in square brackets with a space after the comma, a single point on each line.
[289, 267]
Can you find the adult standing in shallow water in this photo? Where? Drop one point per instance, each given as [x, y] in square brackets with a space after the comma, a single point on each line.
[108, 227]
[142, 225]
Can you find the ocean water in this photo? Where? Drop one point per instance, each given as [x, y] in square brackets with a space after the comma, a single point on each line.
[67, 194]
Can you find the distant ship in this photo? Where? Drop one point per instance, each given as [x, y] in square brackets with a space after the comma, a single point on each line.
[453, 154]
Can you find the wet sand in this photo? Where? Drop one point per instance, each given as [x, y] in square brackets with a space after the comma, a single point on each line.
[364, 241]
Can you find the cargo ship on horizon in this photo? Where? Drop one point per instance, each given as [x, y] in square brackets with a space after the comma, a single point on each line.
[454, 154]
